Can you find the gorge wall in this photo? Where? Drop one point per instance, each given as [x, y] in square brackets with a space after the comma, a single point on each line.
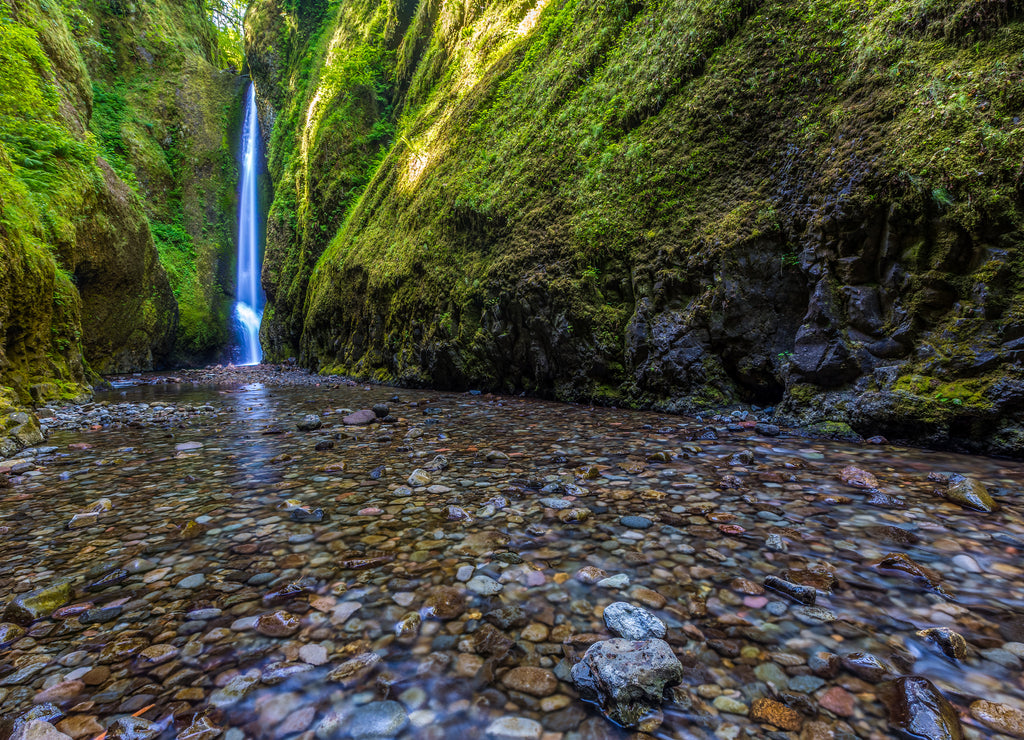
[813, 204]
[117, 180]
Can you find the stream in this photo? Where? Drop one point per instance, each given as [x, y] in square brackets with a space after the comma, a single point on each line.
[454, 608]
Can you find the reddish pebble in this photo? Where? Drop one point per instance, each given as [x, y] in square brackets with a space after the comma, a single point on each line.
[755, 602]
[370, 511]
[838, 701]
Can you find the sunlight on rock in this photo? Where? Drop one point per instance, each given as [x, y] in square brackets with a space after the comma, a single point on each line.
[530, 19]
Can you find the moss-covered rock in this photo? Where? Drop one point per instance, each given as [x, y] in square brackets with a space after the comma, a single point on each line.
[672, 203]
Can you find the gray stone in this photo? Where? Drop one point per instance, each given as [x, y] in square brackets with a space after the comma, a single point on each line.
[626, 678]
[377, 720]
[309, 423]
[483, 585]
[632, 622]
[360, 418]
[193, 581]
[635, 522]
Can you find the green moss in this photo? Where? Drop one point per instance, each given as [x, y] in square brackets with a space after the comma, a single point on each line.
[836, 429]
[964, 395]
[604, 152]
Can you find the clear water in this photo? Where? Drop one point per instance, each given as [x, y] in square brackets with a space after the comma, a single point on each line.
[733, 638]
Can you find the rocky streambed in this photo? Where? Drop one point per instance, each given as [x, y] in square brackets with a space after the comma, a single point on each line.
[260, 559]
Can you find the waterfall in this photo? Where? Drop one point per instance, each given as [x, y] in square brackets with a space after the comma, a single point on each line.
[248, 293]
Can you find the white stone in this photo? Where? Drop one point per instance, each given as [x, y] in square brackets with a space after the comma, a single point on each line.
[313, 654]
[39, 730]
[514, 728]
[484, 585]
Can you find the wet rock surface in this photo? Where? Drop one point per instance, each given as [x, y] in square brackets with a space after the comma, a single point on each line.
[627, 678]
[199, 588]
[918, 711]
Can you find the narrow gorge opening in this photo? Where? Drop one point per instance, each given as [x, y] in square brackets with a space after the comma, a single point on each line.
[249, 297]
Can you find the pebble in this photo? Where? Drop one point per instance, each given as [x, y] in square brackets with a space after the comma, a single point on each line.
[530, 680]
[730, 705]
[999, 717]
[771, 712]
[377, 720]
[514, 728]
[193, 581]
[313, 654]
[277, 624]
[484, 585]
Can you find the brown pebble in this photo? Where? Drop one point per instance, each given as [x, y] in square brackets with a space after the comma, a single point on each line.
[59, 693]
[278, 624]
[648, 597]
[80, 725]
[96, 676]
[531, 680]
[772, 712]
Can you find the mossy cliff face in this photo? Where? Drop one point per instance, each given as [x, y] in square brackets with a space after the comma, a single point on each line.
[810, 203]
[168, 120]
[115, 128]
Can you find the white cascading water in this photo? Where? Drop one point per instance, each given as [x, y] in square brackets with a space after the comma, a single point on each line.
[249, 293]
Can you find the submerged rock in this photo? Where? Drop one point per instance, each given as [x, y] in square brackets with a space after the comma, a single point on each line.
[36, 729]
[802, 594]
[951, 643]
[133, 728]
[445, 603]
[918, 711]
[10, 633]
[769, 712]
[278, 624]
[377, 720]
[868, 667]
[970, 494]
[309, 423]
[40, 603]
[857, 478]
[627, 679]
[999, 717]
[900, 563]
[360, 418]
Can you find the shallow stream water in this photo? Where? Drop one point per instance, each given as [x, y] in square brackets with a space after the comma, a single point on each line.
[198, 543]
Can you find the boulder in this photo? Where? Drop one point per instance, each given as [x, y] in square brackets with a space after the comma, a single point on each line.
[626, 678]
